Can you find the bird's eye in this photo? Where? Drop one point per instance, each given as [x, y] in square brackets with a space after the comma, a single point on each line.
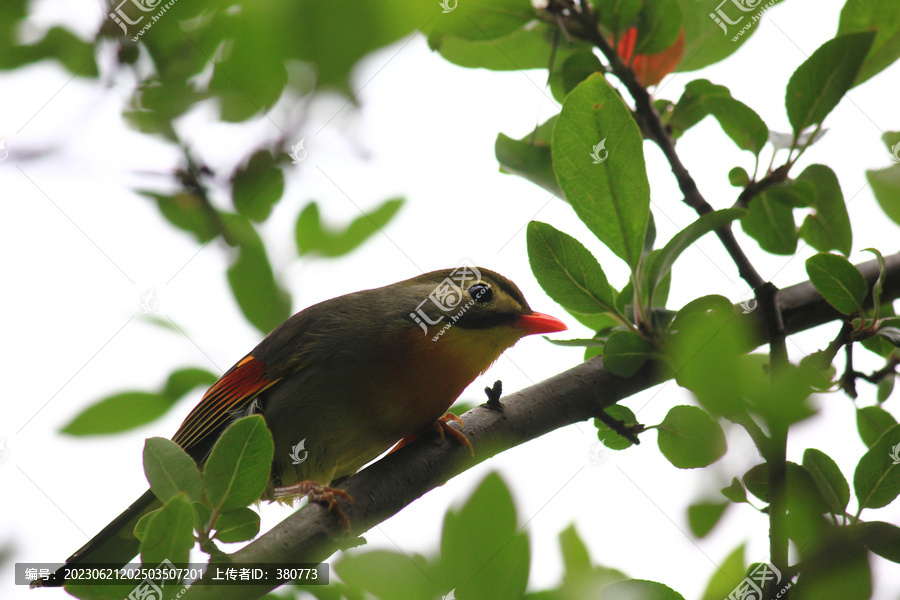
[481, 292]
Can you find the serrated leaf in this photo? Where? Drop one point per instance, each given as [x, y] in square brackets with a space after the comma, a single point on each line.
[876, 480]
[690, 438]
[170, 470]
[818, 84]
[625, 352]
[840, 283]
[831, 483]
[611, 196]
[567, 271]
[238, 466]
[237, 525]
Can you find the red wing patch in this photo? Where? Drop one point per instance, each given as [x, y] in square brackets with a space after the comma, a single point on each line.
[235, 390]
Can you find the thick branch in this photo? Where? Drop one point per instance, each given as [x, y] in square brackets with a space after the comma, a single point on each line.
[312, 534]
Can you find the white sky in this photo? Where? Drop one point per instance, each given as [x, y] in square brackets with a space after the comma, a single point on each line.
[82, 248]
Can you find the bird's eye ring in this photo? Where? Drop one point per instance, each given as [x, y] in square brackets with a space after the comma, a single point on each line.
[481, 292]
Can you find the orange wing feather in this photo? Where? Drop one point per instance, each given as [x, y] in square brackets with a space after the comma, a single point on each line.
[234, 391]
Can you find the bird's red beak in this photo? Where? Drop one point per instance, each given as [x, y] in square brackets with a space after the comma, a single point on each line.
[540, 323]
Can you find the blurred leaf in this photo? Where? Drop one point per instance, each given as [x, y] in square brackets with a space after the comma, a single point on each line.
[567, 271]
[237, 525]
[581, 578]
[257, 186]
[738, 177]
[831, 483]
[119, 412]
[625, 352]
[572, 70]
[639, 589]
[732, 569]
[613, 196]
[876, 481]
[387, 574]
[707, 40]
[658, 25]
[184, 381]
[238, 466]
[882, 16]
[524, 48]
[530, 157]
[483, 19]
[885, 184]
[735, 491]
[838, 568]
[610, 438]
[170, 470]
[169, 533]
[881, 538]
[689, 437]
[840, 283]
[188, 213]
[872, 422]
[703, 516]
[481, 547]
[313, 237]
[264, 303]
[770, 221]
[828, 226]
[818, 85]
[617, 15]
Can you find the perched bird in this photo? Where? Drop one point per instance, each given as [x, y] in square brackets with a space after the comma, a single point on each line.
[342, 381]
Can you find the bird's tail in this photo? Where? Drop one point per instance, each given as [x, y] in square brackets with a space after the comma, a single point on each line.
[115, 545]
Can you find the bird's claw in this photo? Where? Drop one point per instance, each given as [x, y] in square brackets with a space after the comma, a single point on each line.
[316, 492]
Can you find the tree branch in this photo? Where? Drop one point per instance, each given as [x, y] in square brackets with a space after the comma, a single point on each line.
[312, 534]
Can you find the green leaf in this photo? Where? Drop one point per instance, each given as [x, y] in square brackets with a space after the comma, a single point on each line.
[831, 483]
[572, 71]
[739, 177]
[530, 157]
[119, 412]
[878, 286]
[567, 271]
[735, 492]
[612, 197]
[706, 41]
[257, 186]
[702, 98]
[170, 470]
[876, 481]
[188, 213]
[387, 574]
[818, 85]
[184, 381]
[610, 438]
[872, 422]
[885, 184]
[838, 569]
[703, 516]
[238, 466]
[658, 25]
[840, 283]
[732, 569]
[237, 525]
[264, 303]
[483, 19]
[661, 266]
[882, 16]
[828, 226]
[169, 533]
[525, 48]
[617, 15]
[483, 552]
[881, 538]
[689, 437]
[770, 221]
[313, 237]
[625, 352]
[639, 589]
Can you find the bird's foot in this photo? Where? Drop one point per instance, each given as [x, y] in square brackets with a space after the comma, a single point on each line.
[316, 492]
[442, 425]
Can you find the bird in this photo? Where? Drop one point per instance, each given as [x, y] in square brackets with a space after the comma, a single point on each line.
[343, 381]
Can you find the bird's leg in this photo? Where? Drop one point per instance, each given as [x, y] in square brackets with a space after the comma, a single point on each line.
[316, 492]
[443, 425]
